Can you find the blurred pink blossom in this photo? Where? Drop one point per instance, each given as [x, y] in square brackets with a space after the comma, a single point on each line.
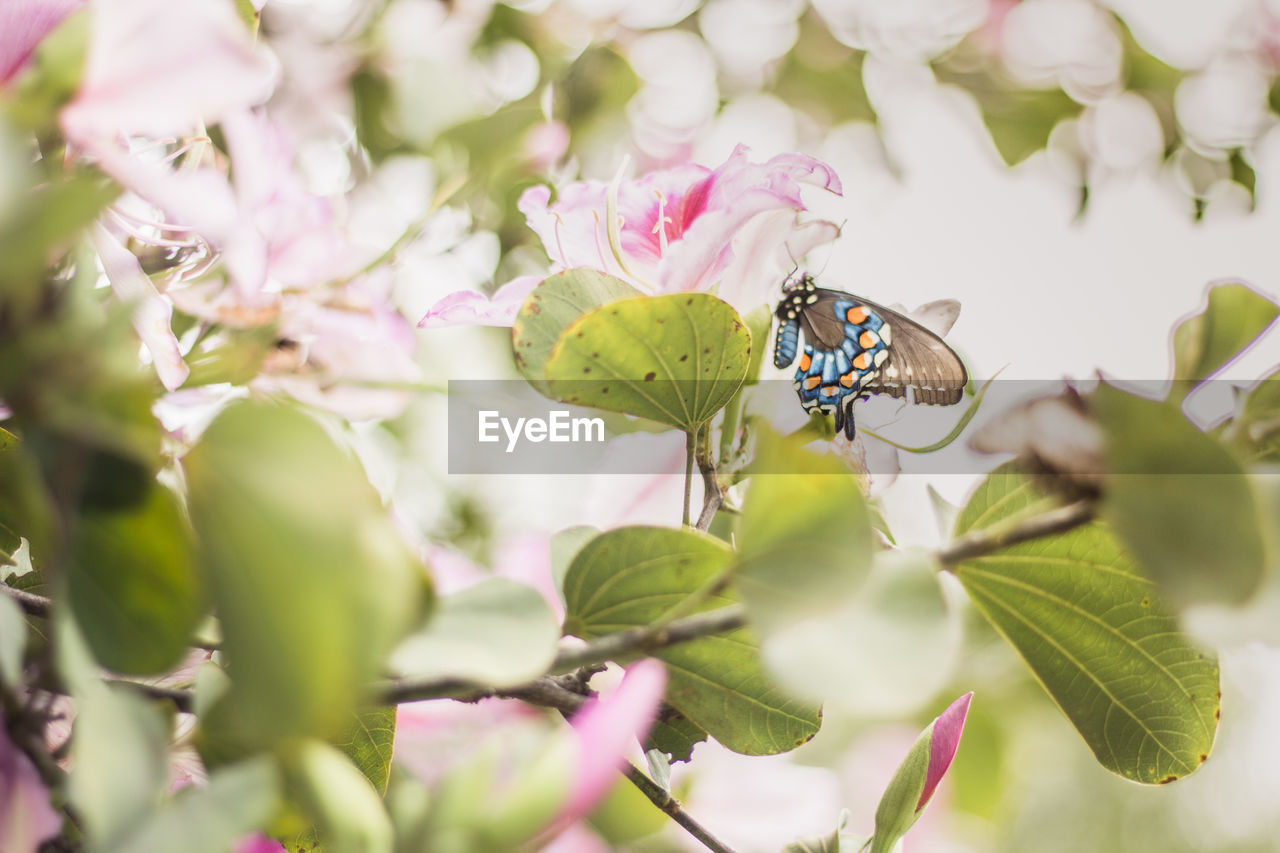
[545, 143]
[681, 229]
[684, 228]
[157, 68]
[259, 843]
[525, 559]
[470, 308]
[23, 25]
[26, 818]
[605, 729]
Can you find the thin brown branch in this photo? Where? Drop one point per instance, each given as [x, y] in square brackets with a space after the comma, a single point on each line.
[623, 644]
[712, 497]
[1054, 521]
[31, 604]
[672, 808]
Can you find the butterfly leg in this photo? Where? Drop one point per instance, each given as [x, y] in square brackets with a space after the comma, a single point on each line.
[847, 408]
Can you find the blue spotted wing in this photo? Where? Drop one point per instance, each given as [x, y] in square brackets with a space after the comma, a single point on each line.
[855, 348]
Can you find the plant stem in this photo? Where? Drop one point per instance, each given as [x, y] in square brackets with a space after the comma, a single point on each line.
[978, 543]
[672, 808]
[620, 645]
[689, 442]
[711, 495]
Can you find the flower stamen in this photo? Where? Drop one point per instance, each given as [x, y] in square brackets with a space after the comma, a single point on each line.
[660, 226]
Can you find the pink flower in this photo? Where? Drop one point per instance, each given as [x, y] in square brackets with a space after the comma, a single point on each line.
[524, 558]
[26, 818]
[917, 778]
[470, 308]
[682, 229]
[259, 843]
[605, 728]
[23, 25]
[157, 68]
[943, 743]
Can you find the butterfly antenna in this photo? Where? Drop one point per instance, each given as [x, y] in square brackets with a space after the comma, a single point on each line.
[839, 231]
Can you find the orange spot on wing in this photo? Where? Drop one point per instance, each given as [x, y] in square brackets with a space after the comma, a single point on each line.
[868, 339]
[861, 361]
[804, 362]
[847, 379]
[830, 390]
[812, 382]
[856, 314]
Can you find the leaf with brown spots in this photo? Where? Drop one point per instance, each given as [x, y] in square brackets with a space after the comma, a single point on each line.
[675, 359]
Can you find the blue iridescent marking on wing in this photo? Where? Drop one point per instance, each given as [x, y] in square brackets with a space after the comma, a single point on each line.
[785, 344]
[826, 377]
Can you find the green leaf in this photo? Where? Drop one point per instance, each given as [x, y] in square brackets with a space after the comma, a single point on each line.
[369, 744]
[836, 625]
[676, 737]
[54, 76]
[133, 584]
[636, 576]
[236, 360]
[497, 632]
[674, 359]
[565, 545]
[626, 816]
[1154, 80]
[897, 810]
[52, 216]
[1243, 173]
[790, 566]
[7, 440]
[884, 650]
[1142, 696]
[312, 583]
[759, 321]
[333, 793]
[551, 308]
[1180, 501]
[120, 749]
[1232, 321]
[507, 791]
[238, 799]
[822, 77]
[13, 642]
[1255, 430]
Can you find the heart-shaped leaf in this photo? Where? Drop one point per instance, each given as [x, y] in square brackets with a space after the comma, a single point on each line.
[550, 308]
[675, 359]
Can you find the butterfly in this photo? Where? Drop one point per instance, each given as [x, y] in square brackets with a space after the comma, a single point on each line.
[855, 348]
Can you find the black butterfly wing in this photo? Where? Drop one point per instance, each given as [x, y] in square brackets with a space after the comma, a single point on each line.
[919, 361]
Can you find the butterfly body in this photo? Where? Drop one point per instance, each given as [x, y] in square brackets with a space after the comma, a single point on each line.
[854, 348]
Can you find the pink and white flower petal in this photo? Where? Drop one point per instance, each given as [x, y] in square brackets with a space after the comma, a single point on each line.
[23, 25]
[158, 68]
[471, 308]
[606, 728]
[26, 816]
[151, 310]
